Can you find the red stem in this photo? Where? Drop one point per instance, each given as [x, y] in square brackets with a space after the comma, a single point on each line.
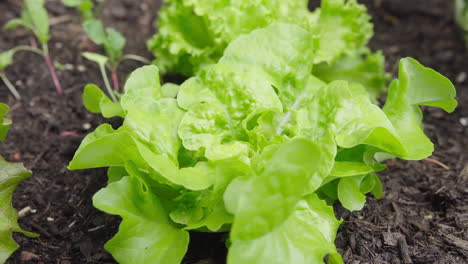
[90, 44]
[115, 79]
[57, 84]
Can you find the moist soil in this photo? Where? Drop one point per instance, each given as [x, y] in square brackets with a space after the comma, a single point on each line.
[422, 218]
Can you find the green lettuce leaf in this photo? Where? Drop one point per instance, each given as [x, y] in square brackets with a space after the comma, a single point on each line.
[96, 101]
[307, 236]
[266, 199]
[417, 85]
[10, 176]
[145, 235]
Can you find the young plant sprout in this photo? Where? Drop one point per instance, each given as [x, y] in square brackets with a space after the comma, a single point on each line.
[86, 8]
[87, 11]
[34, 18]
[112, 41]
[461, 17]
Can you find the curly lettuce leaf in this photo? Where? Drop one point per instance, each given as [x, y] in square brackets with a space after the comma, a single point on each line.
[417, 85]
[366, 69]
[217, 106]
[307, 236]
[145, 235]
[343, 28]
[10, 176]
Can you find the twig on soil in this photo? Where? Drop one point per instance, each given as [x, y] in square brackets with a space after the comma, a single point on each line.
[404, 250]
[437, 163]
[458, 242]
[96, 228]
[398, 216]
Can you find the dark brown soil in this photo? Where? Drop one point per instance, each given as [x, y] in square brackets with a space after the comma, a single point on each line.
[423, 217]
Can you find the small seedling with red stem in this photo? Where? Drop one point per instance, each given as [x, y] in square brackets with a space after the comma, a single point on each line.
[34, 18]
[112, 41]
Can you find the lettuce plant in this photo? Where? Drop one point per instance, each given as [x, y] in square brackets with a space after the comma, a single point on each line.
[192, 34]
[254, 145]
[34, 18]
[10, 176]
[112, 40]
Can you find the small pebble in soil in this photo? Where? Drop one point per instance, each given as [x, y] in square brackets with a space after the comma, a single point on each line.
[23, 212]
[86, 126]
[50, 219]
[461, 77]
[81, 68]
[58, 45]
[464, 121]
[68, 67]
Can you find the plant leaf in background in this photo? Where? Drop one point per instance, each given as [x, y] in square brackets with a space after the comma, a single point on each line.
[214, 24]
[111, 39]
[6, 59]
[461, 17]
[34, 17]
[84, 6]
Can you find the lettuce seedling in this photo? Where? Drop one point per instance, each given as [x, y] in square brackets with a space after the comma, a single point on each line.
[108, 37]
[256, 145]
[86, 8]
[193, 34]
[461, 17]
[10, 176]
[34, 18]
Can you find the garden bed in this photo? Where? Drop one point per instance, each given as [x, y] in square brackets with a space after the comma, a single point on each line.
[423, 217]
